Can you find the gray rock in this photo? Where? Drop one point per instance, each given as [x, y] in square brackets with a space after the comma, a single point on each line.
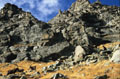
[101, 77]
[23, 77]
[4, 39]
[46, 51]
[116, 56]
[79, 53]
[59, 76]
[52, 68]
[14, 34]
[35, 74]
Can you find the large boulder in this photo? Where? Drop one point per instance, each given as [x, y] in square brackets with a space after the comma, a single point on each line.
[79, 53]
[116, 56]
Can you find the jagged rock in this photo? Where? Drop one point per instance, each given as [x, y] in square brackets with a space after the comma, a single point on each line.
[45, 53]
[4, 39]
[97, 25]
[116, 56]
[41, 42]
[79, 5]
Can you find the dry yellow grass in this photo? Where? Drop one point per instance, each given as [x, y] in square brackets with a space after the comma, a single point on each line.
[108, 45]
[76, 72]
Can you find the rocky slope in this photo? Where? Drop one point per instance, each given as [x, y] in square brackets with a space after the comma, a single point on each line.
[71, 38]
[34, 70]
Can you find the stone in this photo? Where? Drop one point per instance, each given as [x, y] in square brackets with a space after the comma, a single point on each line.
[45, 53]
[79, 53]
[59, 76]
[32, 67]
[4, 39]
[36, 74]
[116, 56]
[44, 68]
[101, 77]
[117, 47]
[0, 74]
[60, 12]
[23, 77]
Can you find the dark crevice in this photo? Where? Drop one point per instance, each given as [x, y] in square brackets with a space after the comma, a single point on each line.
[11, 57]
[98, 41]
[58, 37]
[14, 40]
[65, 52]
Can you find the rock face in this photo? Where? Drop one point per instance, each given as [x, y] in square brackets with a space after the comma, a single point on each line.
[24, 37]
[88, 24]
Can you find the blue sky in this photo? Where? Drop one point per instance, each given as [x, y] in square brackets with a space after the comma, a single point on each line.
[46, 9]
[109, 2]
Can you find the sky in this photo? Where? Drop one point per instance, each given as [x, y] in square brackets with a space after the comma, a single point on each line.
[46, 9]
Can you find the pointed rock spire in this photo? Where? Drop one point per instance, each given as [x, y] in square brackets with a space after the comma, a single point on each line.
[98, 1]
[80, 4]
[59, 12]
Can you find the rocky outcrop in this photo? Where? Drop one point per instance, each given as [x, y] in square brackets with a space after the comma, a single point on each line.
[94, 23]
[88, 25]
[116, 56]
[24, 37]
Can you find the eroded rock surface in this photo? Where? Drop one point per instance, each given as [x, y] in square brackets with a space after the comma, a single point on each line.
[24, 37]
